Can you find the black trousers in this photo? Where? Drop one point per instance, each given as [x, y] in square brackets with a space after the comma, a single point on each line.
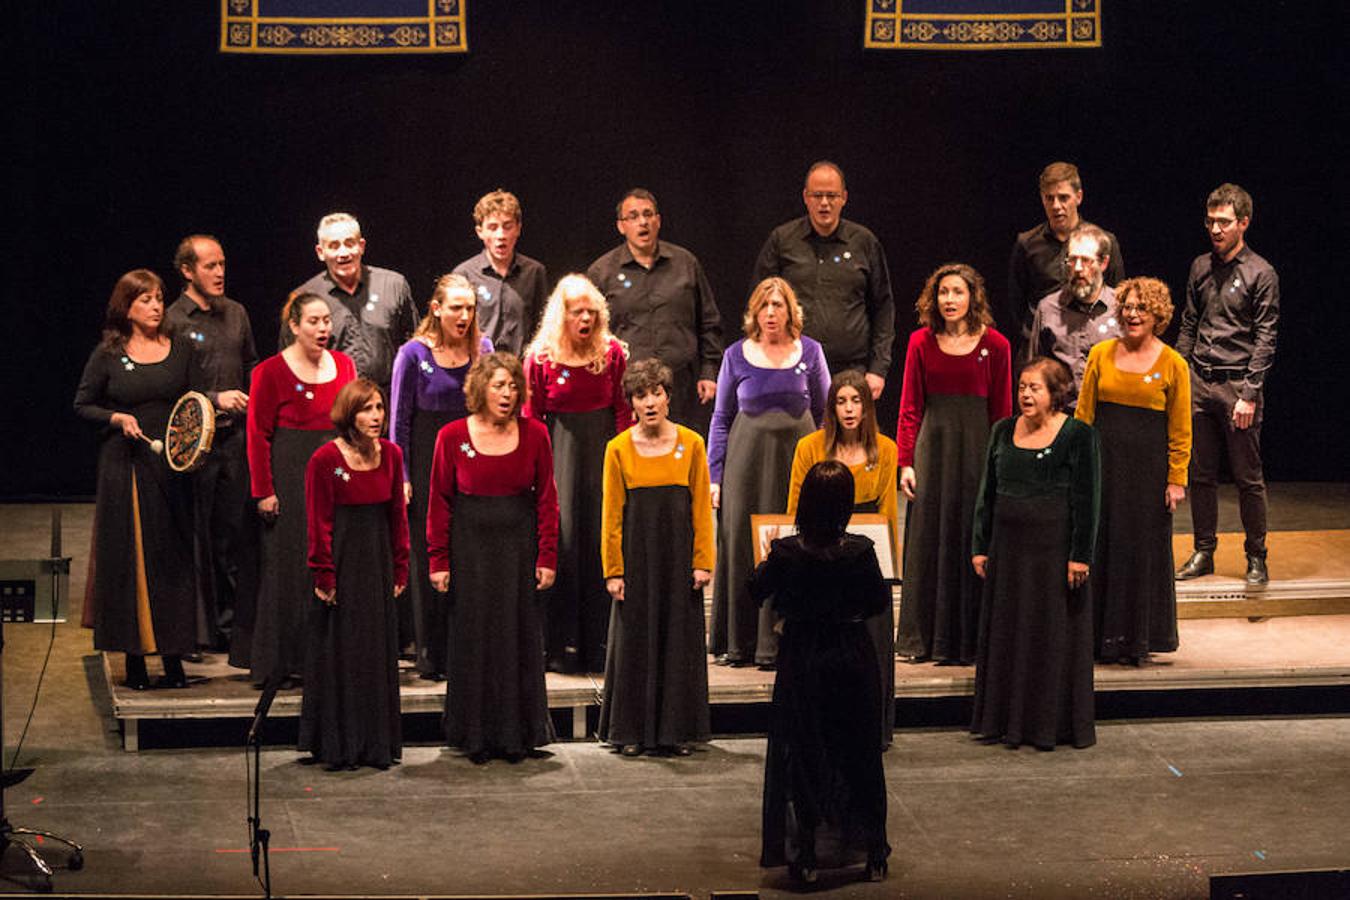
[226, 554]
[1213, 437]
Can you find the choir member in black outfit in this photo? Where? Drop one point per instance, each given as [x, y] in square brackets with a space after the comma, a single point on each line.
[492, 541]
[358, 554]
[823, 763]
[142, 574]
[1035, 528]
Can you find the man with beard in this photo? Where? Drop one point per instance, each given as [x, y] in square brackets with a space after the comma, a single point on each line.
[373, 310]
[1070, 320]
[1037, 266]
[662, 306]
[1228, 328]
[511, 287]
[221, 336]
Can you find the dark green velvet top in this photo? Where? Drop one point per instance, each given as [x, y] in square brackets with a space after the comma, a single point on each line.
[1067, 471]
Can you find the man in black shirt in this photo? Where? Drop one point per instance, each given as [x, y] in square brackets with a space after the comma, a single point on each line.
[661, 304]
[511, 287]
[373, 310]
[1227, 335]
[838, 269]
[1036, 266]
[221, 336]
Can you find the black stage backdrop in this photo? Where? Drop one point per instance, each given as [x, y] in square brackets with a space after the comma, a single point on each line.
[128, 130]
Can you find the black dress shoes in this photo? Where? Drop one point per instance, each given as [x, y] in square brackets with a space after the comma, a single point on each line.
[1257, 576]
[137, 678]
[1200, 563]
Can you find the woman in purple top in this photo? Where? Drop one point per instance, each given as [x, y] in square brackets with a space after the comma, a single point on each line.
[770, 394]
[427, 392]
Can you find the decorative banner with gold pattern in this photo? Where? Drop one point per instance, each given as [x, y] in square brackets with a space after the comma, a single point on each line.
[982, 24]
[343, 26]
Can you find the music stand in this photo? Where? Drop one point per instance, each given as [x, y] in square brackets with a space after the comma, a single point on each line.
[11, 834]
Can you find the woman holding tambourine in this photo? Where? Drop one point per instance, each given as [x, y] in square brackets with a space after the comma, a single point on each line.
[143, 580]
[290, 399]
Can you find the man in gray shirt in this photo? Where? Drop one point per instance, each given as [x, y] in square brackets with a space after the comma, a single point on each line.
[511, 288]
[1069, 321]
[373, 310]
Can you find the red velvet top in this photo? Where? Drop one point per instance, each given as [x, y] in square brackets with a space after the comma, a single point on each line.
[558, 388]
[330, 483]
[985, 372]
[277, 399]
[458, 468]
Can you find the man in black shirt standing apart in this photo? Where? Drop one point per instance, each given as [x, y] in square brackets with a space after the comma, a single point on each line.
[838, 269]
[221, 336]
[373, 310]
[1228, 337]
[511, 287]
[1037, 265]
[661, 304]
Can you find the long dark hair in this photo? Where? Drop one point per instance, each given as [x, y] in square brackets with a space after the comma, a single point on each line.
[116, 324]
[826, 503]
[867, 428]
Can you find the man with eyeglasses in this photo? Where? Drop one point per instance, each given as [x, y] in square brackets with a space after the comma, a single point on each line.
[1227, 335]
[662, 305]
[1070, 320]
[1036, 267]
[838, 269]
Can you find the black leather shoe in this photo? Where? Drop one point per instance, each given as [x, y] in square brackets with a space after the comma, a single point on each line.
[1200, 563]
[1257, 576]
[631, 750]
[137, 678]
[877, 869]
[803, 871]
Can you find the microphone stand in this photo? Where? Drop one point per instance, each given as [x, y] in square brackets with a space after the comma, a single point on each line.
[259, 837]
[11, 834]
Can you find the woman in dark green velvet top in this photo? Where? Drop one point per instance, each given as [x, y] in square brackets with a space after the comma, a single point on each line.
[1035, 529]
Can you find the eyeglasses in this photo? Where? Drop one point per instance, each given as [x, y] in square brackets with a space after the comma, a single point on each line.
[1135, 308]
[644, 214]
[1224, 223]
[827, 196]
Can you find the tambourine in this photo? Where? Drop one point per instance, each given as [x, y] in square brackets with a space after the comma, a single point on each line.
[192, 427]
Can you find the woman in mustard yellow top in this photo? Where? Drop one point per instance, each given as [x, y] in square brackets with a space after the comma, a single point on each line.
[656, 548]
[850, 436]
[1137, 394]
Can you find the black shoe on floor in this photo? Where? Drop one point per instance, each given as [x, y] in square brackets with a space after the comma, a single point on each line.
[1200, 563]
[137, 678]
[1257, 575]
[877, 869]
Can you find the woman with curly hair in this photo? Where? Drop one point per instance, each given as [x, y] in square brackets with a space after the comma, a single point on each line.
[956, 385]
[1137, 393]
[574, 371]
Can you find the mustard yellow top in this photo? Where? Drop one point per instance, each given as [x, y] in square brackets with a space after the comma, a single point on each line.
[875, 483]
[1166, 387]
[625, 469]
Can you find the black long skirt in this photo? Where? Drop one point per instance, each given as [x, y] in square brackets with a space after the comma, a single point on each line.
[755, 480]
[495, 699]
[350, 713]
[882, 629]
[656, 676]
[1133, 586]
[286, 587]
[429, 611]
[1033, 676]
[143, 512]
[578, 605]
[940, 594]
[824, 785]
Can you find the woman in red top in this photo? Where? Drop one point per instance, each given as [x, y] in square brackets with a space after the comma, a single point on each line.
[574, 368]
[290, 398]
[492, 538]
[956, 385]
[358, 554]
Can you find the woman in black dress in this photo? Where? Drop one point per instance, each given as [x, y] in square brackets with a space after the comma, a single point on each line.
[358, 554]
[823, 763]
[142, 590]
[1035, 526]
[492, 542]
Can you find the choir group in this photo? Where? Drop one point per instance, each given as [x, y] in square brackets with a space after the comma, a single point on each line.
[544, 498]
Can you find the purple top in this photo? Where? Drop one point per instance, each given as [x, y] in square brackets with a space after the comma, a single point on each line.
[419, 382]
[746, 388]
